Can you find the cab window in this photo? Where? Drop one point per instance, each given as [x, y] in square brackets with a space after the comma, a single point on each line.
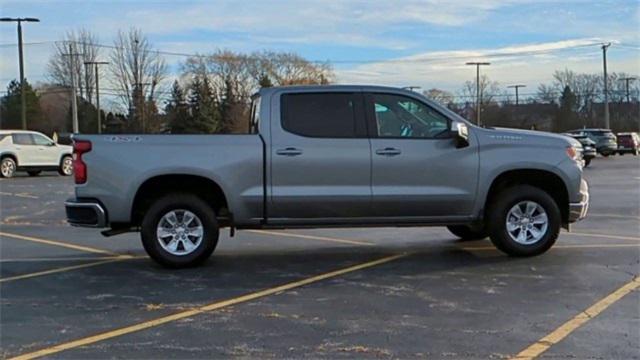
[398, 116]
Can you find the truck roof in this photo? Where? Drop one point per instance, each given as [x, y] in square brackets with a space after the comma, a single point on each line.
[329, 88]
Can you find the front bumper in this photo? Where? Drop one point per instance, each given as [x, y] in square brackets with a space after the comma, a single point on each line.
[85, 213]
[578, 211]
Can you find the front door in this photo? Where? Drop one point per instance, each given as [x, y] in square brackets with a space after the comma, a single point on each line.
[47, 154]
[320, 158]
[417, 171]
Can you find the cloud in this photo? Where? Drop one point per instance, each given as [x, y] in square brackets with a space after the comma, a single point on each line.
[530, 64]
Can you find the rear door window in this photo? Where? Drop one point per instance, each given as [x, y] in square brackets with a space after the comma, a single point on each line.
[23, 139]
[323, 115]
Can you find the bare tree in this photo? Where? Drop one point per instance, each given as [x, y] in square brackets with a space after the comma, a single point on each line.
[443, 97]
[489, 90]
[61, 63]
[289, 69]
[137, 73]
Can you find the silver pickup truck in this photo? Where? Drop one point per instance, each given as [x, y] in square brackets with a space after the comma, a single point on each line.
[324, 156]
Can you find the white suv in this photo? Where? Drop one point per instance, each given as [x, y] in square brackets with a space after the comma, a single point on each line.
[32, 152]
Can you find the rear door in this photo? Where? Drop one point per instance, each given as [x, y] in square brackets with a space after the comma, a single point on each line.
[320, 157]
[26, 149]
[417, 171]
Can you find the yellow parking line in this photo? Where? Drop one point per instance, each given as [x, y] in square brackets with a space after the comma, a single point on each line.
[615, 216]
[313, 237]
[58, 270]
[582, 246]
[68, 259]
[58, 243]
[202, 309]
[22, 195]
[577, 321]
[619, 237]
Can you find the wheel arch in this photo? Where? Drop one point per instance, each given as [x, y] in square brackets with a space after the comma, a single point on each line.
[9, 155]
[160, 185]
[546, 180]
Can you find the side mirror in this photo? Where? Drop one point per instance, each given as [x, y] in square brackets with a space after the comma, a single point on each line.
[460, 134]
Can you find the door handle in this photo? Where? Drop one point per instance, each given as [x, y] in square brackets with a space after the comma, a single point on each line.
[290, 151]
[389, 151]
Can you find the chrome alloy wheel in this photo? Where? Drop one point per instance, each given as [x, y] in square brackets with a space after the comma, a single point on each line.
[527, 222]
[180, 232]
[67, 166]
[7, 168]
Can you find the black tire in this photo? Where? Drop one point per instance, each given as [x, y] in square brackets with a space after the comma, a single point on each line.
[605, 154]
[34, 173]
[63, 169]
[497, 220]
[465, 232]
[587, 162]
[620, 153]
[172, 202]
[7, 167]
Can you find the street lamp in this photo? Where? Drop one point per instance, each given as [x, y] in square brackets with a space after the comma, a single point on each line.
[23, 100]
[478, 96]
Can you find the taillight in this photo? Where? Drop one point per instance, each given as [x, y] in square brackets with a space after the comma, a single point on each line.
[79, 167]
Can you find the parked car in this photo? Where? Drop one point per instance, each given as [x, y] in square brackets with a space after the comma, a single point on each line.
[605, 140]
[32, 152]
[628, 142]
[588, 147]
[321, 156]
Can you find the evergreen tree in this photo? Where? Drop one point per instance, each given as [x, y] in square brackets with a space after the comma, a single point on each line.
[265, 81]
[567, 118]
[177, 111]
[227, 108]
[11, 111]
[205, 117]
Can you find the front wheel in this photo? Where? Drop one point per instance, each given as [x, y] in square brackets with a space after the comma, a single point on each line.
[66, 166]
[587, 162]
[524, 221]
[179, 230]
[465, 232]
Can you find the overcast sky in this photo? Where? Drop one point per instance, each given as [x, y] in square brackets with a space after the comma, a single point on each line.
[399, 43]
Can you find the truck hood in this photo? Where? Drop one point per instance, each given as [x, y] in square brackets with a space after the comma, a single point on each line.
[516, 136]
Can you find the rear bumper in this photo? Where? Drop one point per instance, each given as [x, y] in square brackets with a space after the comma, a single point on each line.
[578, 211]
[85, 213]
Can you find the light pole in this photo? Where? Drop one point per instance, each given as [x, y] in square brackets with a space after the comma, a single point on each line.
[606, 86]
[516, 87]
[23, 99]
[478, 95]
[96, 63]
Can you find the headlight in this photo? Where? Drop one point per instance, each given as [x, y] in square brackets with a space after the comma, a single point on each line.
[574, 153]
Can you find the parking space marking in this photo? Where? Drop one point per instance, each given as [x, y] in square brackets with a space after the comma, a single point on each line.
[58, 243]
[59, 270]
[313, 237]
[577, 321]
[68, 259]
[577, 246]
[22, 195]
[619, 237]
[615, 216]
[206, 308]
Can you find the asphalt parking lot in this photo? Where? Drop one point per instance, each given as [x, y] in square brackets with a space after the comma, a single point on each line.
[365, 293]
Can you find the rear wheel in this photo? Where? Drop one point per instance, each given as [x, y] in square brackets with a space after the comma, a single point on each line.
[587, 162]
[34, 173]
[7, 167]
[524, 221]
[179, 230]
[66, 166]
[465, 232]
